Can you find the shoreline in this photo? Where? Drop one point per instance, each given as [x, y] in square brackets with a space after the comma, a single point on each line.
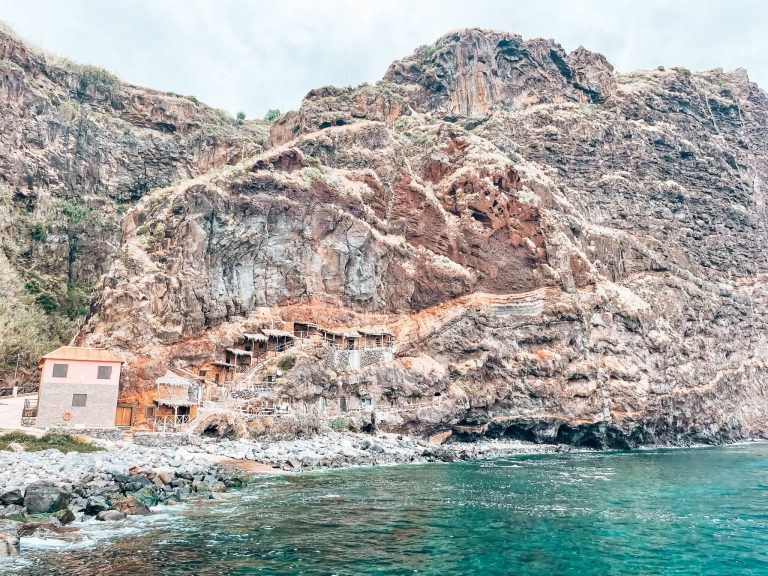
[42, 494]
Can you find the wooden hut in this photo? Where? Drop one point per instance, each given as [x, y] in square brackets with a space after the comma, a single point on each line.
[177, 399]
[278, 340]
[238, 357]
[343, 339]
[304, 329]
[376, 338]
[256, 344]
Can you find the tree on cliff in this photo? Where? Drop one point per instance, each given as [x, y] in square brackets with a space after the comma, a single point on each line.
[272, 115]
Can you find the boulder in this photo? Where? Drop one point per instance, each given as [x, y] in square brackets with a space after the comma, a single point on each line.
[15, 447]
[137, 483]
[110, 516]
[440, 437]
[45, 497]
[164, 477]
[64, 516]
[130, 506]
[96, 504]
[12, 497]
[147, 496]
[49, 531]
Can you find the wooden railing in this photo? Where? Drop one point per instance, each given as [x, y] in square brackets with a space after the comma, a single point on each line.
[21, 389]
[170, 423]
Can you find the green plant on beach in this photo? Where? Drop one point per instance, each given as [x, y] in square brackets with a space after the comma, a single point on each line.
[51, 440]
[338, 424]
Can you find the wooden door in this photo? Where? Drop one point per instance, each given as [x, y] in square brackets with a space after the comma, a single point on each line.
[124, 416]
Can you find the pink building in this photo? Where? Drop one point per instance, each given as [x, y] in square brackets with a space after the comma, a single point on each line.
[78, 388]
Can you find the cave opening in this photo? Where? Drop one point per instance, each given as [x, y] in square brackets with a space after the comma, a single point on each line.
[517, 432]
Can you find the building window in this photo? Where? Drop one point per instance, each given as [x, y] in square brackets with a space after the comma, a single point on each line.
[79, 399]
[149, 412]
[367, 402]
[105, 373]
[60, 370]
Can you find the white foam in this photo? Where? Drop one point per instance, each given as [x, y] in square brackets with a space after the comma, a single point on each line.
[36, 542]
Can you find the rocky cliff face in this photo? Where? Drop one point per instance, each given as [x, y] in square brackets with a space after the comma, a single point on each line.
[78, 148]
[563, 252]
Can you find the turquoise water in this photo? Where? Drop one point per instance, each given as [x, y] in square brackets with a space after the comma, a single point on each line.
[698, 511]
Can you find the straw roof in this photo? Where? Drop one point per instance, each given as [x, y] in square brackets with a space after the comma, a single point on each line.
[277, 333]
[343, 333]
[239, 352]
[256, 337]
[375, 331]
[173, 379]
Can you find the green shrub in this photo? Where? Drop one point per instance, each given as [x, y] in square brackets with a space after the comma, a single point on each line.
[76, 301]
[33, 286]
[338, 424]
[38, 233]
[47, 302]
[286, 362]
[99, 77]
[272, 115]
[240, 116]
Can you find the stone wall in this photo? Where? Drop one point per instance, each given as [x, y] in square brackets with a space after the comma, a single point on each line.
[112, 434]
[349, 360]
[371, 356]
[56, 400]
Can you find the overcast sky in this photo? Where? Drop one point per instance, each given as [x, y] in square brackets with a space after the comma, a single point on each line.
[250, 56]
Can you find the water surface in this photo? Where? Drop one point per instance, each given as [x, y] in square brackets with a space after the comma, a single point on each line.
[697, 511]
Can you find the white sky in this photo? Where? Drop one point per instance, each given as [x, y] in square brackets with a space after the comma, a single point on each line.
[255, 55]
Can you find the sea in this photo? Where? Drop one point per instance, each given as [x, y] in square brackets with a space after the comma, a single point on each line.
[700, 511]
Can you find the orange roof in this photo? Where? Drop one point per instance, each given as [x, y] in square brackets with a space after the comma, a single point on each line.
[86, 354]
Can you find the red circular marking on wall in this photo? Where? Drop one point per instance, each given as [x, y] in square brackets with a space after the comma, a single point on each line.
[67, 416]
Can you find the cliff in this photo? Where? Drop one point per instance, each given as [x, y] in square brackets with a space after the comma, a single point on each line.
[78, 148]
[564, 253]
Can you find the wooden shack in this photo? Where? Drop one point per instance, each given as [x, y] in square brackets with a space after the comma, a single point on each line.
[278, 340]
[304, 329]
[342, 339]
[217, 371]
[376, 337]
[238, 357]
[176, 401]
[255, 343]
